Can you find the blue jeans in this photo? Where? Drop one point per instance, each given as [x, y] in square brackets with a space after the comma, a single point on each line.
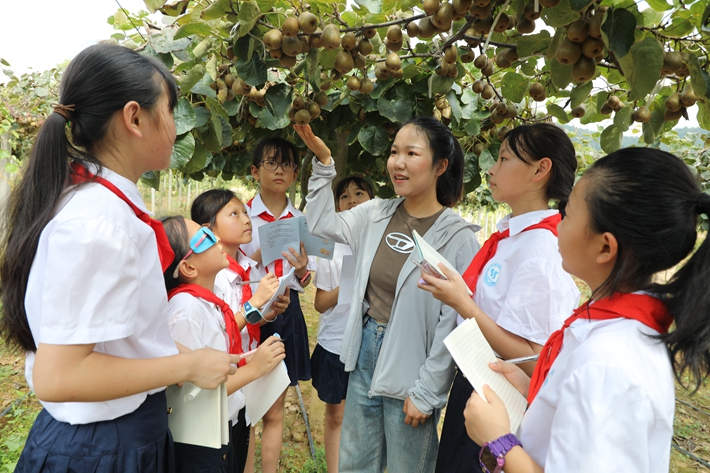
[374, 435]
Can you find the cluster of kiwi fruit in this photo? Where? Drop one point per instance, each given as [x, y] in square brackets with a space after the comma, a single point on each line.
[285, 44]
[231, 86]
[583, 47]
[677, 102]
[392, 64]
[303, 110]
[442, 109]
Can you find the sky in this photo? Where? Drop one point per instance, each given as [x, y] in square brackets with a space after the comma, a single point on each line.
[40, 34]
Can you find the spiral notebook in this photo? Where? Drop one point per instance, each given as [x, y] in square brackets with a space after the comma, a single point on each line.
[472, 353]
[200, 419]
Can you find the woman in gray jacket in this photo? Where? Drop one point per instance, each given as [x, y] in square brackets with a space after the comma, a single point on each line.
[393, 346]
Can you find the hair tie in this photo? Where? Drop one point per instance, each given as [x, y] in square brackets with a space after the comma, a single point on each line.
[63, 110]
[702, 206]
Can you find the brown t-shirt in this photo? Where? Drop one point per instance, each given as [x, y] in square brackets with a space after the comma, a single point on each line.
[391, 255]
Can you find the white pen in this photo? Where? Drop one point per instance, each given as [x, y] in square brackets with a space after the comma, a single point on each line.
[247, 282]
[193, 393]
[522, 359]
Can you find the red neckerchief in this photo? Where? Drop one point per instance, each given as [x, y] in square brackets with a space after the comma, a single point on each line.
[490, 247]
[648, 310]
[231, 327]
[79, 174]
[267, 217]
[253, 329]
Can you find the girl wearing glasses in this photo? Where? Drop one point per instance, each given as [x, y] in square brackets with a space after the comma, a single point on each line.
[199, 318]
[82, 287]
[275, 167]
[227, 217]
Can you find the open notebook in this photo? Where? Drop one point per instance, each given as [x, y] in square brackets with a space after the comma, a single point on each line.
[261, 393]
[431, 259]
[472, 353]
[200, 419]
[284, 282]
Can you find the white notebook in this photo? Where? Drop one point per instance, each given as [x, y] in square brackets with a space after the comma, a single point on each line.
[201, 420]
[284, 283]
[261, 393]
[472, 353]
[431, 259]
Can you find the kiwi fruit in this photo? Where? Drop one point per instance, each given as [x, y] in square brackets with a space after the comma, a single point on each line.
[487, 93]
[502, 24]
[443, 17]
[240, 87]
[302, 117]
[453, 71]
[398, 74]
[305, 45]
[313, 110]
[359, 62]
[368, 31]
[501, 61]
[315, 39]
[497, 119]
[584, 69]
[529, 13]
[592, 47]
[568, 52]
[381, 73]
[272, 39]
[330, 39]
[229, 80]
[430, 6]
[325, 85]
[442, 68]
[394, 34]
[393, 62]
[392, 47]
[290, 26]
[595, 24]
[683, 72]
[275, 53]
[525, 26]
[298, 103]
[426, 28]
[321, 98]
[671, 116]
[366, 86]
[502, 131]
[477, 86]
[468, 57]
[614, 102]
[344, 62]
[480, 12]
[642, 114]
[688, 96]
[511, 54]
[336, 74]
[365, 47]
[353, 83]
[482, 3]
[481, 61]
[672, 61]
[451, 54]
[461, 6]
[308, 22]
[511, 111]
[578, 31]
[605, 109]
[291, 46]
[348, 41]
[483, 25]
[537, 92]
[501, 109]
[578, 111]
[412, 29]
[673, 102]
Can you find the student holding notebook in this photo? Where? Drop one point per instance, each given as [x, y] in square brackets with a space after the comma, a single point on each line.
[400, 370]
[521, 293]
[602, 395]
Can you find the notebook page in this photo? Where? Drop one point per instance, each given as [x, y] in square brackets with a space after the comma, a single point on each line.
[200, 421]
[472, 353]
[261, 393]
[431, 259]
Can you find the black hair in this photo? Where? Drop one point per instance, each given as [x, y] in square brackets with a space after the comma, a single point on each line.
[98, 82]
[207, 205]
[650, 201]
[443, 146]
[284, 151]
[360, 183]
[176, 229]
[531, 143]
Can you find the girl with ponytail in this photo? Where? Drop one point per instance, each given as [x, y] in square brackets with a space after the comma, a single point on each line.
[81, 271]
[602, 394]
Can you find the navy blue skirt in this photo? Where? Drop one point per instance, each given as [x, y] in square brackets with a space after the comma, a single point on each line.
[330, 379]
[136, 442]
[291, 326]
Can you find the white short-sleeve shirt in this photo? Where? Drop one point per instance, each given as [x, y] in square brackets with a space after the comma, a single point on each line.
[197, 323]
[255, 208]
[607, 403]
[523, 288]
[334, 320]
[96, 279]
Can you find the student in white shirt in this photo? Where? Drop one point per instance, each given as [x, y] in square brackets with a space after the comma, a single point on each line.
[82, 287]
[521, 294]
[199, 318]
[227, 217]
[275, 165]
[602, 394]
[330, 379]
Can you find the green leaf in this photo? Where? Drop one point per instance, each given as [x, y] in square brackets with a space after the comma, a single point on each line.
[327, 58]
[610, 139]
[249, 13]
[560, 35]
[579, 94]
[440, 85]
[198, 160]
[175, 9]
[218, 9]
[557, 112]
[182, 151]
[41, 91]
[203, 87]
[531, 44]
[473, 127]
[373, 6]
[272, 122]
[642, 67]
[704, 22]
[201, 116]
[578, 4]
[202, 29]
[163, 42]
[11, 168]
[231, 106]
[312, 65]
[374, 140]
[397, 111]
[659, 5]
[681, 24]
[215, 107]
[454, 104]
[704, 114]
[514, 86]
[620, 28]
[698, 77]
[622, 118]
[252, 72]
[184, 116]
[561, 15]
[153, 5]
[278, 98]
[486, 160]
[189, 80]
[561, 74]
[151, 179]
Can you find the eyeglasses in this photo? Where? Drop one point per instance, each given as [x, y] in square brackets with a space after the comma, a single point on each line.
[287, 166]
[202, 241]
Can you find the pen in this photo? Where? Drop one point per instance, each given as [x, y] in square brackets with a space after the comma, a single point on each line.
[522, 359]
[193, 393]
[251, 352]
[247, 282]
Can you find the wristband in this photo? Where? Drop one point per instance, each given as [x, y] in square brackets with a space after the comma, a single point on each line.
[305, 278]
[251, 314]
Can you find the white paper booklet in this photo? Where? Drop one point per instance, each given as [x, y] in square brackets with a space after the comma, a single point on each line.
[277, 237]
[261, 393]
[201, 420]
[347, 280]
[431, 259]
[472, 353]
[284, 282]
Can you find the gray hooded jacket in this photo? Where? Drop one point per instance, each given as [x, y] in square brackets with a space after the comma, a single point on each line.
[413, 361]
